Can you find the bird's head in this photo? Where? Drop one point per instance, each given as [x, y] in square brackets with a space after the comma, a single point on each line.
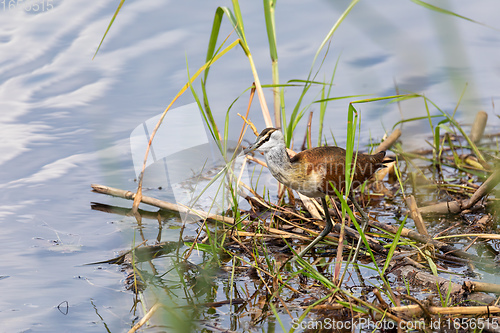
[267, 139]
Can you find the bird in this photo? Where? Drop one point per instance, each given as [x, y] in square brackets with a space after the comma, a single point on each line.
[315, 172]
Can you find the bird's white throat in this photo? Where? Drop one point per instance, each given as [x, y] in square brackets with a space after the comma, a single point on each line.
[278, 162]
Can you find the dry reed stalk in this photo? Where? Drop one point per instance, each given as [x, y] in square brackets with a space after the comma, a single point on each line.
[144, 319]
[389, 167]
[477, 130]
[389, 141]
[278, 234]
[413, 235]
[428, 280]
[475, 286]
[416, 310]
[454, 207]
[183, 209]
[160, 203]
[416, 216]
[311, 207]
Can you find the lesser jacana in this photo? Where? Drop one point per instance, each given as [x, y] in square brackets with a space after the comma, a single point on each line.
[312, 172]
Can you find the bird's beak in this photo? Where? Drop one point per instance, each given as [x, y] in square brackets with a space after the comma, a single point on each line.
[250, 149]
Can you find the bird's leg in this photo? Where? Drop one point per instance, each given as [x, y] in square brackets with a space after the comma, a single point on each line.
[326, 231]
[364, 222]
[364, 217]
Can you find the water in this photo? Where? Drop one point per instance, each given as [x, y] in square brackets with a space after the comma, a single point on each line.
[65, 119]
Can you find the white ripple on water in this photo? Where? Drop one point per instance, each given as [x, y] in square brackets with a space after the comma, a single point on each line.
[51, 171]
[43, 59]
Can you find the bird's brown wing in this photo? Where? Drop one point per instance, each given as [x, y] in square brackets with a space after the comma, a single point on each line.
[330, 162]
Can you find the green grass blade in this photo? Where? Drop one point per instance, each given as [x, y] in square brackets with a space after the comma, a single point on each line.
[436, 142]
[395, 98]
[206, 113]
[428, 114]
[269, 10]
[415, 119]
[323, 105]
[394, 245]
[309, 81]
[447, 12]
[322, 111]
[239, 21]
[276, 315]
[109, 26]
[336, 98]
[333, 29]
[214, 35]
[474, 148]
[279, 85]
[431, 263]
[309, 308]
[297, 112]
[212, 42]
[236, 20]
[351, 132]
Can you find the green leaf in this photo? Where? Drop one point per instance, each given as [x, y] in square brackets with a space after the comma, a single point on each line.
[432, 265]
[109, 26]
[394, 245]
[447, 12]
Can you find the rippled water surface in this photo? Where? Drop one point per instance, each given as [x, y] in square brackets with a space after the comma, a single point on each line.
[65, 119]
